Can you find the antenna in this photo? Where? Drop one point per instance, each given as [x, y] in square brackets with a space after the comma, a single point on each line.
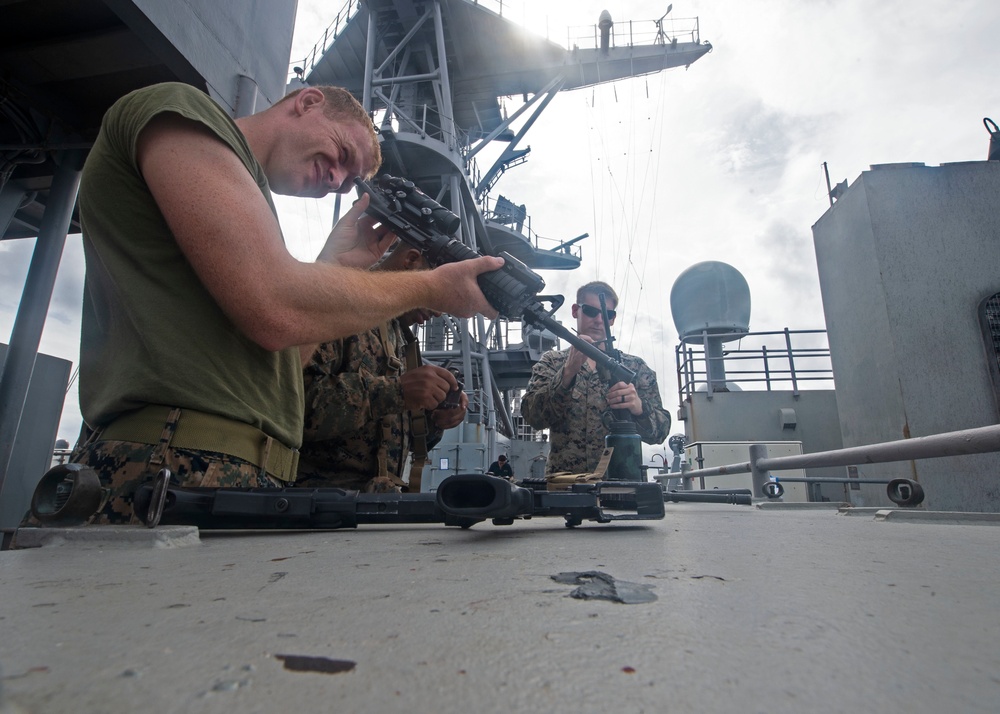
[661, 38]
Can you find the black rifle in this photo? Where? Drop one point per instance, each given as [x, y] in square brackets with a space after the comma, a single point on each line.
[460, 500]
[620, 415]
[736, 497]
[513, 290]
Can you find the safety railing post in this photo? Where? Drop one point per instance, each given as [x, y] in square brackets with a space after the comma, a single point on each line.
[758, 476]
[767, 371]
[791, 363]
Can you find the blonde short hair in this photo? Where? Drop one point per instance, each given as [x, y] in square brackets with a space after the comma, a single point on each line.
[597, 287]
[341, 105]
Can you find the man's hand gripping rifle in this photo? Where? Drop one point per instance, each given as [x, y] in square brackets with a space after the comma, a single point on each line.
[426, 225]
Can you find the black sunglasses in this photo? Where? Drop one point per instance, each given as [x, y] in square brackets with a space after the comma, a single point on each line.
[591, 311]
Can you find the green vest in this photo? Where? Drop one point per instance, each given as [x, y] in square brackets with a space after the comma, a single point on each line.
[152, 334]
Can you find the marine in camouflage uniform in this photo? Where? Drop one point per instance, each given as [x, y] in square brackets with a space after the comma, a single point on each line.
[567, 395]
[573, 416]
[364, 395]
[355, 410]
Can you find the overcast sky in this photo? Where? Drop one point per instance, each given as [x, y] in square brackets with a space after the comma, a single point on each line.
[722, 161]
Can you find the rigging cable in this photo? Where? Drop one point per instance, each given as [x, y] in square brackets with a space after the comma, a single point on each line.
[626, 191]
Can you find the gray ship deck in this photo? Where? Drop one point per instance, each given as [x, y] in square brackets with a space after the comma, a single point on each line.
[757, 610]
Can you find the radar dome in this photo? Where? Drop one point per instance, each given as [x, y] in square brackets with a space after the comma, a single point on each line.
[712, 297]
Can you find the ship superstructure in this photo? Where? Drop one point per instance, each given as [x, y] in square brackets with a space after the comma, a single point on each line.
[435, 77]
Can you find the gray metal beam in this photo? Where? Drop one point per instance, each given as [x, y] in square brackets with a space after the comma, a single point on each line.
[35, 298]
[551, 91]
[10, 200]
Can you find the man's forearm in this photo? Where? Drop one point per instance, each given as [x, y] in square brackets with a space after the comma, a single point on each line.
[241, 259]
[652, 426]
[654, 423]
[321, 302]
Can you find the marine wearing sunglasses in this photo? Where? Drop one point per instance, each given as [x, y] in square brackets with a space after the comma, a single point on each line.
[569, 397]
[591, 311]
[590, 326]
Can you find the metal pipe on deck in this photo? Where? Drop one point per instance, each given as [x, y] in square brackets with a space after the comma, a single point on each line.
[758, 473]
[981, 440]
[953, 443]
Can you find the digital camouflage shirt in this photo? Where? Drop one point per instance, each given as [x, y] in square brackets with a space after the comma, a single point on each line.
[351, 386]
[573, 415]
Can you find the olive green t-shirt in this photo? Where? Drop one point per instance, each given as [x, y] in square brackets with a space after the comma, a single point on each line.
[152, 334]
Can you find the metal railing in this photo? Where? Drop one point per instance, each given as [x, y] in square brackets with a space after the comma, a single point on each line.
[333, 30]
[666, 31]
[344, 16]
[953, 443]
[773, 362]
[539, 242]
[340, 21]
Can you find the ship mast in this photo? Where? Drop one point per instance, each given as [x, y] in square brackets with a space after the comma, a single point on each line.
[433, 74]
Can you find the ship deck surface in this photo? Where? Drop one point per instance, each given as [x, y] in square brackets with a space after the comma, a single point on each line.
[757, 610]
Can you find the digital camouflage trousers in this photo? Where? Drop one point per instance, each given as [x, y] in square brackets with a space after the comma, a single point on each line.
[123, 465]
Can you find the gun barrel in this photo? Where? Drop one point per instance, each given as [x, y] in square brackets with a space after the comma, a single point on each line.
[735, 499]
[618, 372]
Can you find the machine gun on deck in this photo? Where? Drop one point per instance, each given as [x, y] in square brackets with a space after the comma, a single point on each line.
[460, 500]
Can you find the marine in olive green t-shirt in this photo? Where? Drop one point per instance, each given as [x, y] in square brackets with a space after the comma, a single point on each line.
[152, 333]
